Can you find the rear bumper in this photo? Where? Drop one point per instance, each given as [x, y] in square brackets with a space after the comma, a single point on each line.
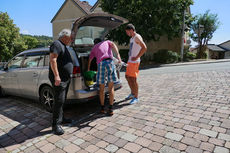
[89, 94]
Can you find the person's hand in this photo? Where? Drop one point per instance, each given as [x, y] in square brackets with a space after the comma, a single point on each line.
[134, 58]
[57, 81]
[119, 60]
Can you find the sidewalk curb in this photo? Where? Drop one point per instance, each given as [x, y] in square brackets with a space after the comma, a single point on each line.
[193, 63]
[185, 63]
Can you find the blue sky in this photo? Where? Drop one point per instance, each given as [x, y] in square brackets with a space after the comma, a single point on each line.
[34, 16]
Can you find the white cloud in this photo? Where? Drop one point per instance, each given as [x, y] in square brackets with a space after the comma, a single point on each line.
[26, 32]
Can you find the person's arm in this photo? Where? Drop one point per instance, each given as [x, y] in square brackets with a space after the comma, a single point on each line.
[143, 48]
[115, 49]
[53, 64]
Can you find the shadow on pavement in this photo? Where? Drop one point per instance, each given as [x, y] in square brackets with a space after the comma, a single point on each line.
[23, 119]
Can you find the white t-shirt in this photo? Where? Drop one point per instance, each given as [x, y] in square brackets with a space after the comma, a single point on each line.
[134, 48]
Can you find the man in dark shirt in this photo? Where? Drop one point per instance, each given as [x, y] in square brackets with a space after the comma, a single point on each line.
[61, 67]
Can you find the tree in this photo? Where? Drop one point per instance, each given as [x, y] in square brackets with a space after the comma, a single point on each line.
[30, 41]
[210, 24]
[44, 41]
[10, 41]
[152, 18]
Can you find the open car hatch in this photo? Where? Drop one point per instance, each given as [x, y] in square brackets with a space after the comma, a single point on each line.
[97, 25]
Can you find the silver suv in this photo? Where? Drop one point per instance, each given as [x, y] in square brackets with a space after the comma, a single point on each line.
[26, 74]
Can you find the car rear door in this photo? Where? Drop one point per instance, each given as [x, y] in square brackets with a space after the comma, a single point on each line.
[29, 75]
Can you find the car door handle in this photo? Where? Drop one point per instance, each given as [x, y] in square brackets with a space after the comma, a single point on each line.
[35, 74]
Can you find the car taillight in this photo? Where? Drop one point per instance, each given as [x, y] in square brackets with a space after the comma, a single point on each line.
[76, 71]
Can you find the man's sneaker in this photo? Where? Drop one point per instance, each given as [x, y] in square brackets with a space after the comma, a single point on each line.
[133, 101]
[130, 96]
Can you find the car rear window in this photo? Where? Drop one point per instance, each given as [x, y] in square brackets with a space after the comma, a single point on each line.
[87, 34]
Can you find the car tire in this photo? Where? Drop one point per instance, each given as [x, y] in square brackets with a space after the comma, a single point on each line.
[1, 92]
[47, 98]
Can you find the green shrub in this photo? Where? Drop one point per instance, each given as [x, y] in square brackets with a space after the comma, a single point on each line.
[189, 55]
[166, 56]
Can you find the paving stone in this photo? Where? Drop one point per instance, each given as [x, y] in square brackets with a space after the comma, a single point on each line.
[41, 143]
[12, 147]
[225, 137]
[191, 128]
[219, 129]
[214, 123]
[112, 139]
[157, 138]
[173, 136]
[101, 151]
[143, 141]
[71, 148]
[102, 144]
[191, 149]
[207, 146]
[121, 142]
[216, 141]
[129, 137]
[30, 149]
[179, 146]
[111, 148]
[119, 134]
[155, 146]
[122, 151]
[57, 150]
[79, 141]
[208, 133]
[191, 141]
[91, 148]
[145, 150]
[167, 149]
[132, 147]
[201, 137]
[47, 148]
[221, 150]
[227, 145]
[62, 143]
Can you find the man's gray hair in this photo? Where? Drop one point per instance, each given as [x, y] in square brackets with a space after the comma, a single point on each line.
[64, 32]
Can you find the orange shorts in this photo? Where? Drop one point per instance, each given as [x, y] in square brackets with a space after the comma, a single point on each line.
[132, 69]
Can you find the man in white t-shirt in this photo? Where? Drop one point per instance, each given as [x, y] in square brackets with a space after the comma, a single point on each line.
[136, 50]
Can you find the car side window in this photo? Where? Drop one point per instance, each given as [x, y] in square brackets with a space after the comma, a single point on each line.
[47, 58]
[32, 61]
[15, 62]
[41, 62]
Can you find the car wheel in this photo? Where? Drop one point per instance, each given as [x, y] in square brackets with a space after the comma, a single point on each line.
[1, 92]
[47, 98]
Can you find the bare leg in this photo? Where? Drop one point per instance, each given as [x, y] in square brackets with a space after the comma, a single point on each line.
[101, 94]
[130, 83]
[111, 93]
[135, 86]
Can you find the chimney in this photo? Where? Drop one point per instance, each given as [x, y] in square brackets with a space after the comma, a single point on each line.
[85, 2]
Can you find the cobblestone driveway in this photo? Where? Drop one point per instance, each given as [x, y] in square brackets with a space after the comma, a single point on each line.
[177, 112]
